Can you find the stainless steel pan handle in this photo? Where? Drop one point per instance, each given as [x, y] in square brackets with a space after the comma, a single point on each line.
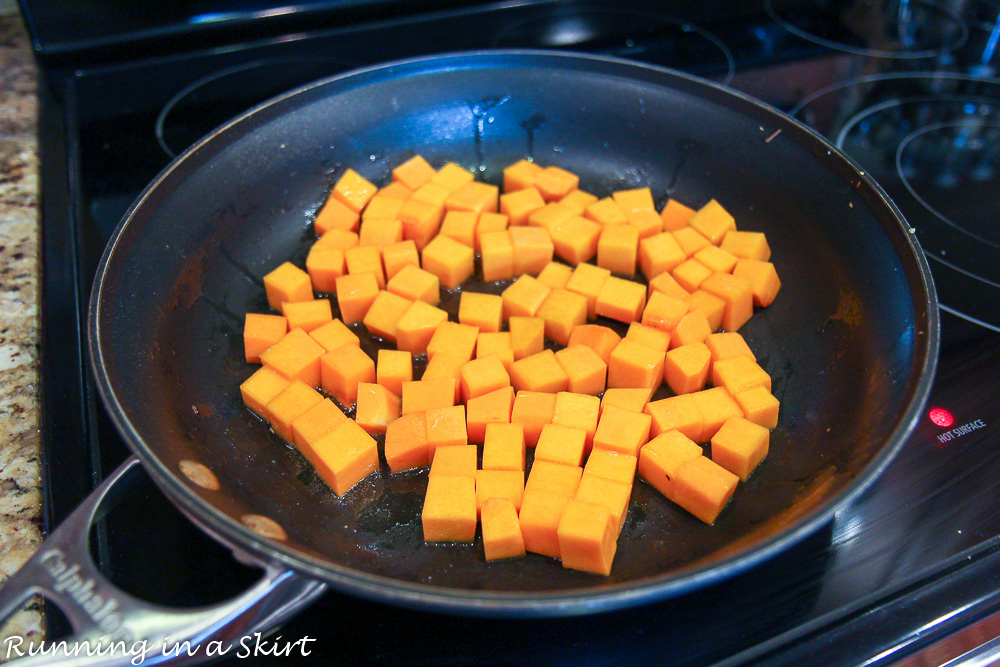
[112, 627]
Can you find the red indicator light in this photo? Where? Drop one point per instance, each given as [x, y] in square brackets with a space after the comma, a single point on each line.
[941, 417]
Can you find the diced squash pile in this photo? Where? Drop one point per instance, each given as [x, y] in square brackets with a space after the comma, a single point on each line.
[602, 305]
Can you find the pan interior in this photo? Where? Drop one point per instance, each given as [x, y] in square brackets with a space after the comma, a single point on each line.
[846, 342]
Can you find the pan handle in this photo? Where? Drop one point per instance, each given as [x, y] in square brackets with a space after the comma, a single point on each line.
[112, 627]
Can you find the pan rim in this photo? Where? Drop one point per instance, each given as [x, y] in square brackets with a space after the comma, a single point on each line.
[516, 603]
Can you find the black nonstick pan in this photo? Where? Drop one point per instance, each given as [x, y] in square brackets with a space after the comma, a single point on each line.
[850, 342]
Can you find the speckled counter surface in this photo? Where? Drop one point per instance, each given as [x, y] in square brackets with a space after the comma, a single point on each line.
[20, 470]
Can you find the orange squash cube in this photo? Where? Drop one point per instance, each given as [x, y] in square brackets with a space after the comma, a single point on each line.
[406, 443]
[759, 406]
[344, 456]
[634, 399]
[417, 326]
[381, 232]
[364, 259]
[713, 307]
[445, 428]
[449, 511]
[481, 376]
[377, 407]
[461, 226]
[634, 199]
[659, 254]
[504, 447]
[739, 446]
[355, 295]
[634, 365]
[449, 260]
[337, 238]
[489, 223]
[424, 395]
[383, 316]
[587, 281]
[554, 478]
[579, 411]
[475, 197]
[763, 278]
[290, 402]
[414, 172]
[527, 335]
[685, 369]
[316, 422]
[618, 249]
[676, 215]
[354, 190]
[324, 266]
[561, 444]
[451, 176]
[716, 259]
[539, 520]
[555, 275]
[648, 223]
[518, 205]
[738, 374]
[713, 221]
[496, 343]
[421, 221]
[524, 297]
[666, 284]
[461, 460]
[395, 190]
[286, 283]
[260, 388]
[677, 413]
[382, 208]
[307, 315]
[622, 430]
[716, 407]
[663, 456]
[587, 534]
[562, 311]
[703, 488]
[484, 311]
[343, 370]
[599, 338]
[334, 334]
[694, 327]
[605, 212]
[613, 495]
[335, 215]
[413, 283]
[576, 239]
[690, 274]
[664, 312]
[533, 410]
[520, 175]
[490, 408]
[611, 465]
[651, 337]
[296, 356]
[497, 256]
[586, 373]
[746, 245]
[690, 240]
[261, 331]
[432, 194]
[393, 368]
[506, 484]
[554, 183]
[577, 201]
[539, 372]
[455, 339]
[621, 300]
[501, 530]
[737, 293]
[728, 344]
[533, 249]
[397, 256]
[549, 216]
[445, 366]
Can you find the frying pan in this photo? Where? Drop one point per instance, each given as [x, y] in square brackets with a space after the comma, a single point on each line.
[851, 341]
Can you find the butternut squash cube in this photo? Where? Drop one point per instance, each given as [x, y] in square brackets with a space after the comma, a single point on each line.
[260, 389]
[533, 410]
[296, 356]
[452, 175]
[364, 259]
[634, 399]
[555, 275]
[703, 488]
[739, 446]
[324, 266]
[694, 327]
[576, 239]
[524, 297]
[490, 408]
[383, 316]
[455, 339]
[663, 456]
[659, 254]
[685, 368]
[449, 512]
[713, 307]
[634, 199]
[587, 535]
[417, 326]
[497, 256]
[406, 443]
[549, 216]
[527, 335]
[316, 422]
[461, 460]
[690, 274]
[561, 444]
[393, 368]
[716, 259]
[539, 520]
[554, 478]
[690, 240]
[676, 215]
[484, 311]
[424, 395]
[577, 201]
[611, 465]
[496, 343]
[432, 194]
[445, 366]
[647, 222]
[539, 372]
[445, 428]
[634, 365]
[737, 292]
[738, 374]
[666, 284]
[518, 205]
[746, 245]
[728, 344]
[461, 226]
[677, 413]
[554, 183]
[501, 530]
[613, 495]
[342, 370]
[579, 411]
[393, 191]
[286, 283]
[764, 281]
[334, 334]
[354, 190]
[449, 260]
[506, 484]
[335, 215]
[481, 376]
[713, 221]
[664, 312]
[421, 221]
[621, 300]
[381, 232]
[759, 406]
[474, 196]
[587, 281]
[520, 175]
[489, 223]
[586, 373]
[340, 239]
[344, 456]
[651, 337]
[618, 249]
[533, 249]
[413, 283]
[605, 212]
[622, 430]
[599, 338]
[562, 311]
[504, 447]
[716, 407]
[261, 331]
[377, 407]
[414, 172]
[399, 255]
[307, 315]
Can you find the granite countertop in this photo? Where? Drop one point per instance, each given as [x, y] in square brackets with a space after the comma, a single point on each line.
[20, 466]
